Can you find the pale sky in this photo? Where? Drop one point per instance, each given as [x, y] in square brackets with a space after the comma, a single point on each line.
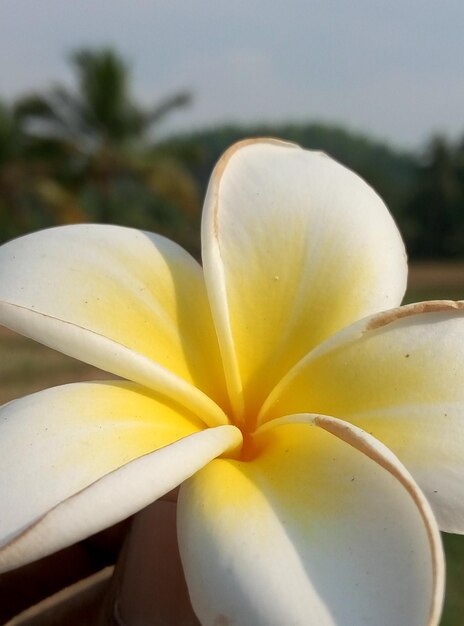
[391, 68]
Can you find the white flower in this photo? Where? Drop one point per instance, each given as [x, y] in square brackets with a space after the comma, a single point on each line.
[255, 388]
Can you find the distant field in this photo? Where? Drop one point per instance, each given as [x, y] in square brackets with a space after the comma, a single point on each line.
[435, 281]
[26, 366]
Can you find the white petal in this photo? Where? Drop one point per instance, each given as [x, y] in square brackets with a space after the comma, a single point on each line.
[324, 527]
[78, 458]
[295, 247]
[400, 376]
[129, 302]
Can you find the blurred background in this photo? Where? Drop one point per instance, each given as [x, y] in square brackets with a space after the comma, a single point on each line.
[116, 112]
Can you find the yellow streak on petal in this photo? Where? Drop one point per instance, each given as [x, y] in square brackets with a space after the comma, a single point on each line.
[408, 357]
[295, 247]
[125, 421]
[323, 518]
[137, 289]
[68, 437]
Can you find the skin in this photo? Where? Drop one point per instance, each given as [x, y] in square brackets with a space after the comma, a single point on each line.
[148, 585]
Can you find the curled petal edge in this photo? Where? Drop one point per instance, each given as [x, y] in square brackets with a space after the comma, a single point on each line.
[111, 356]
[379, 453]
[117, 495]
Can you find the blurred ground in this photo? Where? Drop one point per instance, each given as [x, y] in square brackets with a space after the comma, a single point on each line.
[26, 366]
[435, 281]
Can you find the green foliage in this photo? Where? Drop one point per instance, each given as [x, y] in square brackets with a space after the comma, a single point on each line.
[22, 164]
[88, 153]
[106, 171]
[100, 111]
[436, 205]
[392, 170]
[454, 602]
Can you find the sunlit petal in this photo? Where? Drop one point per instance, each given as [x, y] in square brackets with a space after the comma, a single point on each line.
[400, 376]
[129, 302]
[77, 458]
[324, 527]
[295, 247]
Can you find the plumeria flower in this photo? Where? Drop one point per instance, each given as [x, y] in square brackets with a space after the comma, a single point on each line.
[309, 429]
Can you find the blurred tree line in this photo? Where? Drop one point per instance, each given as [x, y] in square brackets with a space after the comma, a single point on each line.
[91, 153]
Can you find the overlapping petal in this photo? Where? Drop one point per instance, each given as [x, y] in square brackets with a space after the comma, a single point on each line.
[323, 527]
[295, 247]
[317, 523]
[399, 376]
[129, 302]
[77, 458]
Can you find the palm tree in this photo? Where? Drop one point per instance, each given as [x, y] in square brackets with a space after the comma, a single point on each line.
[105, 134]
